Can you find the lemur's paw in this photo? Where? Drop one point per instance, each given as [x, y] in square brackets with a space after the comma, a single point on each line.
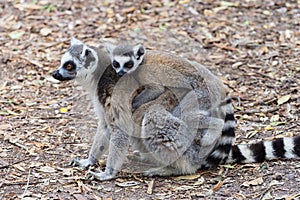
[83, 163]
[101, 176]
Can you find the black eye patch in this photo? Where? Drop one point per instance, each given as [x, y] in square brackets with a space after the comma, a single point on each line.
[70, 66]
[115, 64]
[129, 64]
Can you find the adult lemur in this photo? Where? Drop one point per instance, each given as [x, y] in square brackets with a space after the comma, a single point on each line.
[175, 112]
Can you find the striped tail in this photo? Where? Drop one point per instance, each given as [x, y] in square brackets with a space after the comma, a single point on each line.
[265, 150]
[226, 152]
[221, 152]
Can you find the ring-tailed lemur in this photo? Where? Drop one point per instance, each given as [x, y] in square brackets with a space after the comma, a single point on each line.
[194, 129]
[125, 58]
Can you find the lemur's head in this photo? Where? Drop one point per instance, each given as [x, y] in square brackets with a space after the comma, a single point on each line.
[125, 58]
[79, 60]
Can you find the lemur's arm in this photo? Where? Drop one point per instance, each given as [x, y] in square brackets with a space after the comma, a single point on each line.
[118, 148]
[99, 147]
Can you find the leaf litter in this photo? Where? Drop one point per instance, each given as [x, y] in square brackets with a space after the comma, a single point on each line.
[253, 46]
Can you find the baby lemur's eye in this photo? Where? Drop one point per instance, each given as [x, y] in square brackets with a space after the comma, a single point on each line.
[129, 64]
[116, 64]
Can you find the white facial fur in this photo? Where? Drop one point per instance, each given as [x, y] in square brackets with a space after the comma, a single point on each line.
[84, 64]
[124, 55]
[122, 60]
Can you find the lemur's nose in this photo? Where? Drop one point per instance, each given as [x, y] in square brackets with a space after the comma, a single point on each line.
[121, 73]
[57, 75]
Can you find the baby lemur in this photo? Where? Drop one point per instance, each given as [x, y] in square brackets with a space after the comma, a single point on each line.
[125, 57]
[175, 112]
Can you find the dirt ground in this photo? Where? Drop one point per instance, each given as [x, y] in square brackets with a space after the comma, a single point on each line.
[253, 46]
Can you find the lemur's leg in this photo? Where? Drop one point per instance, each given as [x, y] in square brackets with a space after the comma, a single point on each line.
[118, 148]
[99, 147]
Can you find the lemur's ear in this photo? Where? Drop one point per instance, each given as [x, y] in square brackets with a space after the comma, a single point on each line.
[109, 47]
[139, 52]
[86, 51]
[75, 41]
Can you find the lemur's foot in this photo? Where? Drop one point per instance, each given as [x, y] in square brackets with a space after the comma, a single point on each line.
[83, 163]
[101, 176]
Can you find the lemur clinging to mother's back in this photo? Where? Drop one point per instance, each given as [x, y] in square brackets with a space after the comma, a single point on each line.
[125, 57]
[194, 128]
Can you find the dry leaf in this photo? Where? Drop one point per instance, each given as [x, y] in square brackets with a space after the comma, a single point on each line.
[228, 4]
[68, 171]
[5, 126]
[293, 196]
[254, 182]
[30, 6]
[128, 184]
[269, 128]
[283, 99]
[237, 64]
[200, 181]
[16, 34]
[47, 169]
[19, 167]
[184, 187]
[218, 186]
[184, 1]
[128, 10]
[188, 177]
[63, 110]
[45, 31]
[274, 118]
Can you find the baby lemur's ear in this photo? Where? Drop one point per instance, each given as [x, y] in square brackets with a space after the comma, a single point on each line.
[75, 41]
[139, 52]
[109, 47]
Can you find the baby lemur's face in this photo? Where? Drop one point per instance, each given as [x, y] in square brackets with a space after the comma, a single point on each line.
[125, 58]
[76, 62]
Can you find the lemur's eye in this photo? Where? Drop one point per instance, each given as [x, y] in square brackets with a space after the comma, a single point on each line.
[116, 64]
[129, 64]
[69, 67]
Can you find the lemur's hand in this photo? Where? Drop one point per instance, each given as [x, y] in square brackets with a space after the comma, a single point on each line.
[101, 176]
[83, 163]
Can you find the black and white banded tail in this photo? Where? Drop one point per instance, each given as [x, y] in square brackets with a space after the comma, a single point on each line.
[226, 152]
[288, 147]
[221, 152]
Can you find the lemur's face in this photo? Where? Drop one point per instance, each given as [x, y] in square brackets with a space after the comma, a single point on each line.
[125, 58]
[74, 62]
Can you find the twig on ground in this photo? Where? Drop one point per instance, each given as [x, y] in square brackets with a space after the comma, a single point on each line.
[266, 110]
[6, 174]
[9, 165]
[27, 185]
[21, 183]
[150, 187]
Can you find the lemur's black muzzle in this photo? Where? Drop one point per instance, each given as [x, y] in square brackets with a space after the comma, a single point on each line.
[58, 76]
[121, 73]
